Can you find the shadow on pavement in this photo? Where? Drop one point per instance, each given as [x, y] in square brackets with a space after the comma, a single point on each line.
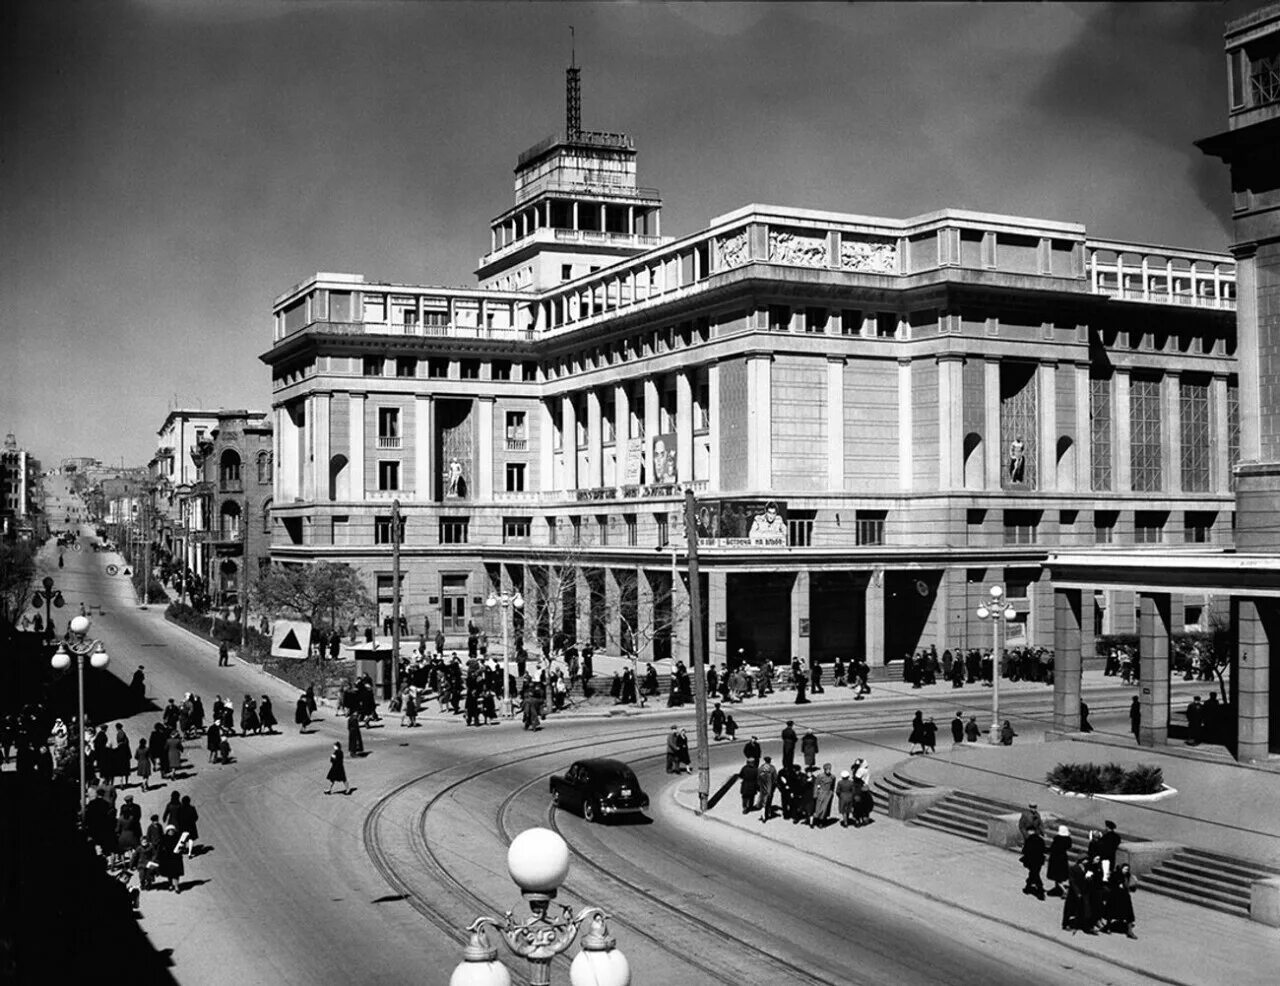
[62, 917]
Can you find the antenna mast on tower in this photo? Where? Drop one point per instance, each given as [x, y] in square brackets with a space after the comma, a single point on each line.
[573, 93]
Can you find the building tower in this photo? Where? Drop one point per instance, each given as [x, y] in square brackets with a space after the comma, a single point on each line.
[577, 207]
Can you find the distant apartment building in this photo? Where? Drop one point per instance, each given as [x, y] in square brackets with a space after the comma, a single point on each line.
[21, 494]
[879, 418]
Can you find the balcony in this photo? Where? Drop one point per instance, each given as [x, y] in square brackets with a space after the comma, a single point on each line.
[388, 441]
[517, 444]
[552, 234]
[1130, 272]
[429, 330]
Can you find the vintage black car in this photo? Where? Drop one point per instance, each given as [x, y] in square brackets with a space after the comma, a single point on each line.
[599, 789]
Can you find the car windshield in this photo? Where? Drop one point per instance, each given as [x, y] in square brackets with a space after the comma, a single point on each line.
[616, 775]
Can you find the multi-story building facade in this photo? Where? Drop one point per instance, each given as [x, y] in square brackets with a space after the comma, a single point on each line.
[21, 496]
[929, 405]
[212, 477]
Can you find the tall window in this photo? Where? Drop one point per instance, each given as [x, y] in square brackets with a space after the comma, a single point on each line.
[372, 366]
[264, 467]
[551, 530]
[382, 530]
[1233, 430]
[454, 530]
[515, 477]
[515, 530]
[870, 527]
[1195, 436]
[630, 521]
[407, 366]
[602, 529]
[575, 525]
[1104, 526]
[388, 475]
[1198, 529]
[1145, 439]
[1100, 431]
[800, 528]
[664, 536]
[517, 437]
[388, 429]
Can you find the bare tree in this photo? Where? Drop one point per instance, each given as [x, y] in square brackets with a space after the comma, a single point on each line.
[17, 575]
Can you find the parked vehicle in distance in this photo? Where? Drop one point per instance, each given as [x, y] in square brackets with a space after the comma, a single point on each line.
[599, 788]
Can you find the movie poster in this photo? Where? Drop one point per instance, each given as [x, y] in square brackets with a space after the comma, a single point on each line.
[741, 523]
[664, 459]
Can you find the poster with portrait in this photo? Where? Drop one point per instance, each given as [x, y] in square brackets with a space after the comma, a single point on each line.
[664, 459]
[741, 523]
[633, 464]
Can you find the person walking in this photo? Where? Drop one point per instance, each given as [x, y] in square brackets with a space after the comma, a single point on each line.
[1030, 821]
[809, 748]
[673, 750]
[171, 859]
[123, 756]
[929, 736]
[355, 742]
[224, 654]
[1033, 859]
[173, 754]
[824, 785]
[749, 788]
[300, 714]
[337, 770]
[1135, 719]
[267, 716]
[213, 741]
[788, 745]
[1007, 734]
[142, 760]
[916, 736]
[1108, 844]
[1059, 862]
[972, 730]
[186, 818]
[1118, 909]
[751, 749]
[767, 781]
[717, 722]
[957, 729]
[845, 791]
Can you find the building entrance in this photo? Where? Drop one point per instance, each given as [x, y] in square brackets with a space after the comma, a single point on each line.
[837, 612]
[453, 604]
[758, 607]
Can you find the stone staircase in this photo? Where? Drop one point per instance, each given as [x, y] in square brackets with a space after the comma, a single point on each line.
[1194, 876]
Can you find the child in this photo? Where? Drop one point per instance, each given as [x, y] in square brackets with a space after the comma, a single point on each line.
[224, 750]
[730, 727]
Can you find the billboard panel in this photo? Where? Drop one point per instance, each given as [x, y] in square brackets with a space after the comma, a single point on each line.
[740, 523]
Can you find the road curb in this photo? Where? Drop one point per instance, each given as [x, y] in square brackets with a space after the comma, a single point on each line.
[681, 803]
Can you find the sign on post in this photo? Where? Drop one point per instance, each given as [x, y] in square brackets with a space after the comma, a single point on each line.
[290, 638]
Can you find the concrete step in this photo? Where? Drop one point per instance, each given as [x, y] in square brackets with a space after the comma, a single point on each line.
[974, 834]
[1194, 871]
[1232, 864]
[1155, 884]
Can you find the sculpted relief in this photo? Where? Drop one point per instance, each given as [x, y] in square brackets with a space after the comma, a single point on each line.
[733, 250]
[873, 258]
[798, 249]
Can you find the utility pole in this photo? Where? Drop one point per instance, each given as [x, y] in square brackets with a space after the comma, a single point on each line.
[695, 645]
[395, 597]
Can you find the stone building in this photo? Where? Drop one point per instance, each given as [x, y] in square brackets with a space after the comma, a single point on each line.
[22, 515]
[879, 417]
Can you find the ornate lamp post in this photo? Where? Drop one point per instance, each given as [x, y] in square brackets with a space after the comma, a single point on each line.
[506, 600]
[49, 598]
[999, 612]
[79, 648]
[538, 861]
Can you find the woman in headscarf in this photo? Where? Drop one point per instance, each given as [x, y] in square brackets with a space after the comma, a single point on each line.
[845, 790]
[337, 770]
[300, 714]
[1059, 864]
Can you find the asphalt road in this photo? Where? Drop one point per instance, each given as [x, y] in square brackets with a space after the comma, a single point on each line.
[305, 888]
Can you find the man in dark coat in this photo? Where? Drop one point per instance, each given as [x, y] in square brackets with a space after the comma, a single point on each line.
[1135, 719]
[750, 785]
[1033, 859]
[1030, 821]
[957, 729]
[789, 740]
[1108, 843]
[766, 781]
[751, 749]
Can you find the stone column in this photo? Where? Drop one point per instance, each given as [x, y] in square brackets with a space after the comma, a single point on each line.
[424, 444]
[646, 625]
[306, 453]
[546, 448]
[650, 425]
[320, 467]
[569, 435]
[713, 433]
[1122, 473]
[906, 437]
[799, 612]
[993, 452]
[1221, 425]
[717, 612]
[595, 441]
[874, 619]
[835, 424]
[1047, 409]
[621, 428]
[1067, 664]
[1258, 621]
[582, 605]
[1084, 430]
[950, 422]
[355, 463]
[760, 422]
[484, 449]
[612, 609]
[278, 442]
[1171, 416]
[684, 427]
[1153, 664]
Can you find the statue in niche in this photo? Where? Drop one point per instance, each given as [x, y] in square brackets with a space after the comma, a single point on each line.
[456, 482]
[1017, 461]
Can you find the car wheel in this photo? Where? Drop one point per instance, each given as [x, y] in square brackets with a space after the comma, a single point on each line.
[590, 812]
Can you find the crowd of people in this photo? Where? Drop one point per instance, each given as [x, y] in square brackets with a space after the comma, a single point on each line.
[974, 666]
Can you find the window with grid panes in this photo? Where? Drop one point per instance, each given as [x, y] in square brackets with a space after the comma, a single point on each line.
[1100, 432]
[1233, 431]
[515, 530]
[454, 530]
[1020, 526]
[869, 525]
[406, 366]
[1148, 526]
[1146, 448]
[800, 528]
[382, 531]
[1194, 398]
[630, 522]
[664, 536]
[515, 477]
[1198, 528]
[1104, 526]
[388, 475]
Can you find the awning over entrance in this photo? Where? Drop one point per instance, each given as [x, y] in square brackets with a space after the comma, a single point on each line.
[1220, 573]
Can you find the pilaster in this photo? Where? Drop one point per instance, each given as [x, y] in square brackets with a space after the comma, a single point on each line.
[595, 442]
[1067, 662]
[1121, 421]
[569, 441]
[1221, 425]
[546, 448]
[800, 615]
[1259, 623]
[874, 619]
[1047, 408]
[906, 438]
[484, 449]
[1084, 430]
[835, 424]
[1153, 665]
[1171, 416]
[991, 424]
[684, 427]
[717, 615]
[424, 443]
[355, 426]
[650, 426]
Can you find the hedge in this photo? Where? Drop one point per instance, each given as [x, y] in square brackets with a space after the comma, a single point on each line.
[1112, 778]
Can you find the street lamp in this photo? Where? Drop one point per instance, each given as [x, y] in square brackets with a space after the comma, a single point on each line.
[506, 600]
[50, 598]
[77, 649]
[999, 612]
[538, 861]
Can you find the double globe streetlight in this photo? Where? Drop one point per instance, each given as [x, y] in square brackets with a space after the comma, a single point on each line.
[999, 613]
[538, 861]
[77, 649]
[508, 601]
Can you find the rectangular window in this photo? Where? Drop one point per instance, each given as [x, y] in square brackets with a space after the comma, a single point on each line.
[566, 272]
[382, 530]
[388, 475]
[515, 477]
[406, 366]
[1100, 431]
[815, 320]
[850, 322]
[779, 318]
[602, 530]
[372, 366]
[800, 528]
[1233, 431]
[702, 408]
[388, 429]
[1146, 447]
[501, 369]
[870, 527]
[1020, 526]
[438, 368]
[630, 522]
[1198, 528]
[1104, 526]
[1195, 435]
[454, 530]
[575, 525]
[664, 536]
[517, 438]
[470, 369]
[1017, 586]
[551, 530]
[886, 325]
[515, 530]
[1148, 526]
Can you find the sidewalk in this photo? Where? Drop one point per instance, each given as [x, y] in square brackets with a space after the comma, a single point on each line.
[1178, 942]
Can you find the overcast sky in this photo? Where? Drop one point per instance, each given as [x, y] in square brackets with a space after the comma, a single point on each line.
[167, 167]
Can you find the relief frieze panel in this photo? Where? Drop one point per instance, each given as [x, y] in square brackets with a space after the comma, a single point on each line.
[800, 249]
[732, 250]
[868, 256]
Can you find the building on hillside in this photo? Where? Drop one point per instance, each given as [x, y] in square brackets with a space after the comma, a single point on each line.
[879, 418]
[21, 494]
